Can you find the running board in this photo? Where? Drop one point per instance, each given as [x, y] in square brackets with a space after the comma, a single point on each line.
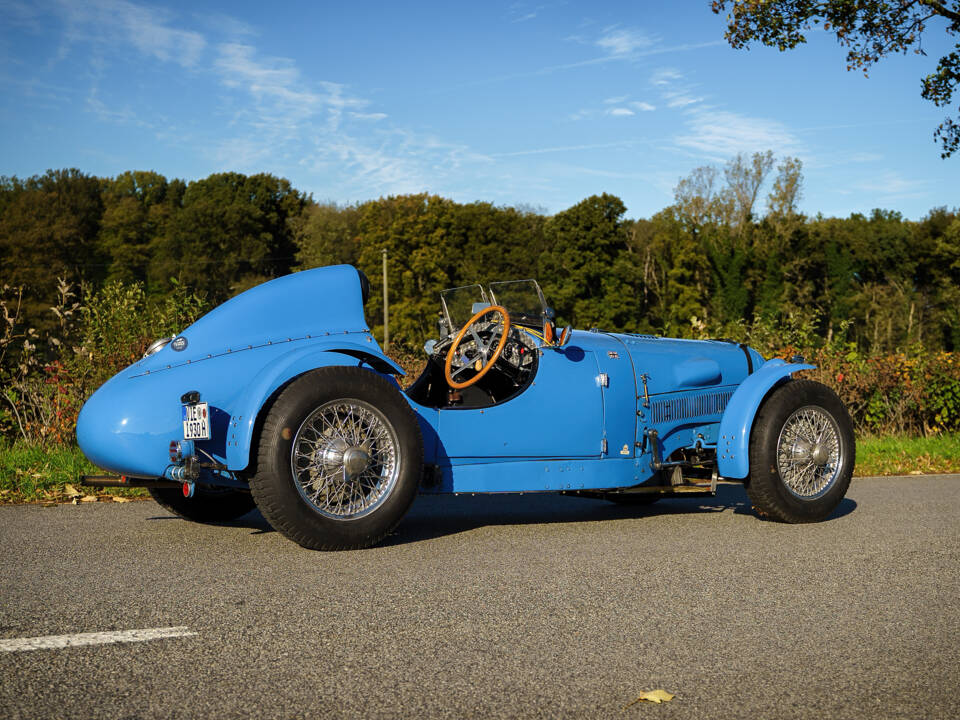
[127, 482]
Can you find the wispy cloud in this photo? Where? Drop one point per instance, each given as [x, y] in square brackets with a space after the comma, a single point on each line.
[620, 112]
[677, 100]
[623, 42]
[892, 185]
[719, 134]
[643, 106]
[665, 77]
[569, 148]
[119, 23]
[523, 12]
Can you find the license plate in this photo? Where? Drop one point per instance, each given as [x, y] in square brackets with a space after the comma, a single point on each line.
[196, 422]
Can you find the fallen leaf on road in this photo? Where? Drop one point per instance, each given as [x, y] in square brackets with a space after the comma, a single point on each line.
[71, 491]
[654, 696]
[48, 504]
[915, 472]
[117, 498]
[88, 498]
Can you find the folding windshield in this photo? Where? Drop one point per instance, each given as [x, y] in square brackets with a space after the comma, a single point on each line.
[523, 299]
[458, 304]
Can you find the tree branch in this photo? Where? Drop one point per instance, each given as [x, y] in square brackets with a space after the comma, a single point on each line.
[940, 9]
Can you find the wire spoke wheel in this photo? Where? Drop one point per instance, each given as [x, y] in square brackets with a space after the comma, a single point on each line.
[339, 460]
[802, 452]
[809, 455]
[344, 459]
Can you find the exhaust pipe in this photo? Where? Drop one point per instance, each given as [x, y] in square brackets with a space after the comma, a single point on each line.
[124, 481]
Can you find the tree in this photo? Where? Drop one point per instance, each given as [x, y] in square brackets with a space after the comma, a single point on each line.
[869, 29]
[744, 178]
[586, 272]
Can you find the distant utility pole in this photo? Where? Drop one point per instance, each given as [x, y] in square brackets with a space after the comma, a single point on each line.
[386, 306]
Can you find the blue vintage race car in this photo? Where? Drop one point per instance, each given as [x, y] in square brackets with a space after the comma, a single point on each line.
[281, 398]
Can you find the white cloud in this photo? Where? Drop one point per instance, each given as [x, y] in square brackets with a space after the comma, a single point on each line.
[616, 100]
[620, 112]
[643, 106]
[369, 116]
[890, 185]
[621, 42]
[676, 100]
[665, 76]
[117, 22]
[719, 134]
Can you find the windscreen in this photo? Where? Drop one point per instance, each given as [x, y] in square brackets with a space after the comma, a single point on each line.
[458, 304]
[522, 299]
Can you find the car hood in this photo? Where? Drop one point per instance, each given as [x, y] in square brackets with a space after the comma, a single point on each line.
[311, 303]
[672, 365]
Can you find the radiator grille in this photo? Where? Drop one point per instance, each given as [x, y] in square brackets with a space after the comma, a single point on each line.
[689, 406]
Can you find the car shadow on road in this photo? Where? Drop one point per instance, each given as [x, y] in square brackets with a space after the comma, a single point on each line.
[434, 516]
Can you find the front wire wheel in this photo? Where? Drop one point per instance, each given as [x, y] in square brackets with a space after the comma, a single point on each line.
[802, 453]
[809, 452]
[339, 460]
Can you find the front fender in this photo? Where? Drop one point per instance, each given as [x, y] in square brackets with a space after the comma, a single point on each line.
[733, 445]
[266, 382]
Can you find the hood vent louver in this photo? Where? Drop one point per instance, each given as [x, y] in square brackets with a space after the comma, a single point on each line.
[689, 406]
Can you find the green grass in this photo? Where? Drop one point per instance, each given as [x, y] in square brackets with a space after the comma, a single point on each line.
[908, 455]
[32, 473]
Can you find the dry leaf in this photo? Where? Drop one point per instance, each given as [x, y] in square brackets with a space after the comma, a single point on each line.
[915, 472]
[118, 498]
[88, 498]
[48, 504]
[654, 696]
[71, 491]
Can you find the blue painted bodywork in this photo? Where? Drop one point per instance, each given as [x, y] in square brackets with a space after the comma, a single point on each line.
[733, 449]
[596, 415]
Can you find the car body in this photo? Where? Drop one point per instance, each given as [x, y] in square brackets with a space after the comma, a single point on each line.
[305, 416]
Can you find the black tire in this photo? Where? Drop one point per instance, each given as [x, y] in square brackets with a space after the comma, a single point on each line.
[208, 505]
[320, 506]
[795, 477]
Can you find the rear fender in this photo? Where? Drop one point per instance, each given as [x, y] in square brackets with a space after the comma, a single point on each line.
[733, 445]
[265, 383]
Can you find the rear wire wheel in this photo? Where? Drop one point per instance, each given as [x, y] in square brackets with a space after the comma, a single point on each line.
[802, 453]
[339, 460]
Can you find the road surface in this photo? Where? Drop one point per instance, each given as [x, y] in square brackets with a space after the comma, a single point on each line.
[509, 606]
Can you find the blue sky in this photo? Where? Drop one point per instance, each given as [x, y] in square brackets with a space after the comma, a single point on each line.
[515, 103]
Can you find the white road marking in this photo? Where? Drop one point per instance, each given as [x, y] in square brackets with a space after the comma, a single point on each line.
[48, 642]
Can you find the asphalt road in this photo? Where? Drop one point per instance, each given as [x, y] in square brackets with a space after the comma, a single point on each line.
[532, 606]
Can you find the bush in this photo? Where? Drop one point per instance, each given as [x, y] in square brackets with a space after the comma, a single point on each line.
[46, 380]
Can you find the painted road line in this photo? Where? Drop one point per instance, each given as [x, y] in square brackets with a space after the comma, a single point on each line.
[48, 642]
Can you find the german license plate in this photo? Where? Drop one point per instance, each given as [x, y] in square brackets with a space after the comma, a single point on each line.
[196, 422]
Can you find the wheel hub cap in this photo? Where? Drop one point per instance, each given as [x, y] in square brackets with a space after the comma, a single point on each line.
[355, 460]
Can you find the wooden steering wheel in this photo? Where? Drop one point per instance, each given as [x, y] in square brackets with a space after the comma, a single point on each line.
[484, 356]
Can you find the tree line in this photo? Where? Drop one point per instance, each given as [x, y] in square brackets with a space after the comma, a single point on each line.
[728, 254]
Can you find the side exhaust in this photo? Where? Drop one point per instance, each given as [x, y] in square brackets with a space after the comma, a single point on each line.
[124, 481]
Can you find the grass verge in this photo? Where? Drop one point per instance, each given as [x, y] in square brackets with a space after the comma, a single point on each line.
[30, 473]
[908, 455]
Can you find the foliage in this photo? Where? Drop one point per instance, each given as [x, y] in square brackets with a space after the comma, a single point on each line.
[869, 29]
[867, 295]
[45, 378]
